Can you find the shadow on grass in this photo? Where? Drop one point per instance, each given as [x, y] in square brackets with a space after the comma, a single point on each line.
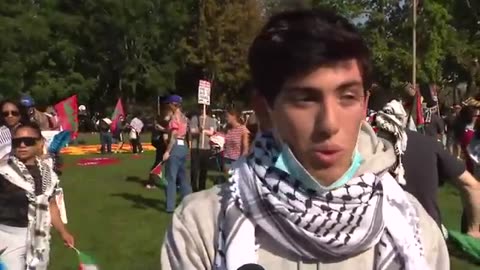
[141, 202]
[136, 179]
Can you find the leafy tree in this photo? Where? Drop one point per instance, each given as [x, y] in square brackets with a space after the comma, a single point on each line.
[220, 41]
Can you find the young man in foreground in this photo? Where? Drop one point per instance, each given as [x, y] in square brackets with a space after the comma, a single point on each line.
[315, 193]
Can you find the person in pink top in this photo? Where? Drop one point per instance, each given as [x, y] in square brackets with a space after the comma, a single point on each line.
[175, 156]
[236, 138]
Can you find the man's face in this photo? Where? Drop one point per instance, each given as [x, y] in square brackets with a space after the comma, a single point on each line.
[319, 116]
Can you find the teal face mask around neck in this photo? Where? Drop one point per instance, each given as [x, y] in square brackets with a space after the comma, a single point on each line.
[288, 163]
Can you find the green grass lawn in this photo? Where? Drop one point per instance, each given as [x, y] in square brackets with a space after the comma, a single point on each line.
[122, 225]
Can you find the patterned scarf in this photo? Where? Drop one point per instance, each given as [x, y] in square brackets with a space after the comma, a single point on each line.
[39, 221]
[370, 211]
[393, 119]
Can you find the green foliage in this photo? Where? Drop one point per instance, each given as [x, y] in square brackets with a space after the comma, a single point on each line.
[138, 49]
[220, 41]
[98, 49]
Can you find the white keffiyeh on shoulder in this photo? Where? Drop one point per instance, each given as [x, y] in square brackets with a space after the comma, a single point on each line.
[39, 220]
[393, 119]
[370, 211]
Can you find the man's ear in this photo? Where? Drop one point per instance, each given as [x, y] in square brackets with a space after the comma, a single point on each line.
[41, 147]
[260, 107]
[365, 104]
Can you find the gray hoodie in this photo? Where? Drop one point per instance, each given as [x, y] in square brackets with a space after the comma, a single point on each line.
[190, 240]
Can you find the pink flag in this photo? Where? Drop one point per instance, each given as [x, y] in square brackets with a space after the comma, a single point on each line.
[117, 113]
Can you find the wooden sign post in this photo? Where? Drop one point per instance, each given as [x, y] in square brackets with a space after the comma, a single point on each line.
[204, 90]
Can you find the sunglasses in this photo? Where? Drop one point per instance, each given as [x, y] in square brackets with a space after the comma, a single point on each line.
[27, 141]
[10, 113]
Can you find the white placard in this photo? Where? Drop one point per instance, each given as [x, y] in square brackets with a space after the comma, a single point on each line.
[204, 89]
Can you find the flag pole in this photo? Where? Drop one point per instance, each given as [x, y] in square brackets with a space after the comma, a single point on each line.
[414, 42]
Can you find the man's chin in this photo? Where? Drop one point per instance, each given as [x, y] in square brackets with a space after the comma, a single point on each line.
[327, 176]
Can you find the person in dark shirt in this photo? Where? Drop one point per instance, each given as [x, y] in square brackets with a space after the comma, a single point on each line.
[27, 203]
[434, 127]
[426, 164]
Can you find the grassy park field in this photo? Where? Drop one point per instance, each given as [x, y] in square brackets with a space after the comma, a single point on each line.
[122, 225]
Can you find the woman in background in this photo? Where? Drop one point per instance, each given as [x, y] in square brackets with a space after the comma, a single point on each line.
[236, 138]
[12, 114]
[176, 153]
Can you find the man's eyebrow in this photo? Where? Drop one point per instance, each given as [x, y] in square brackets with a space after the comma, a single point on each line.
[302, 89]
[343, 86]
[348, 84]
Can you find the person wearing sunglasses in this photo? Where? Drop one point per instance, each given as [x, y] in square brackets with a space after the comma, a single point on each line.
[27, 203]
[12, 114]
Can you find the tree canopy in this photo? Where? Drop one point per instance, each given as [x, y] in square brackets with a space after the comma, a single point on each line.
[138, 49]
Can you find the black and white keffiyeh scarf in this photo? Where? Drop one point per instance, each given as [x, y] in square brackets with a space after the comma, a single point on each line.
[370, 211]
[393, 119]
[39, 220]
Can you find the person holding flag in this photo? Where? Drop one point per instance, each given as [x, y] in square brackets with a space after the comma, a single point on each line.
[28, 206]
[159, 141]
[118, 125]
[118, 133]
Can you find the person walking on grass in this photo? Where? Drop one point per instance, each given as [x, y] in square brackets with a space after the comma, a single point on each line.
[175, 156]
[105, 135]
[136, 127]
[27, 203]
[315, 192]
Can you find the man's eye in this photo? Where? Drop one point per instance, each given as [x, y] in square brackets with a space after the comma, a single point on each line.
[349, 97]
[302, 98]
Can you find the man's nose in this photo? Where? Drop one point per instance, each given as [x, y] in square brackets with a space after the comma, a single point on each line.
[327, 120]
